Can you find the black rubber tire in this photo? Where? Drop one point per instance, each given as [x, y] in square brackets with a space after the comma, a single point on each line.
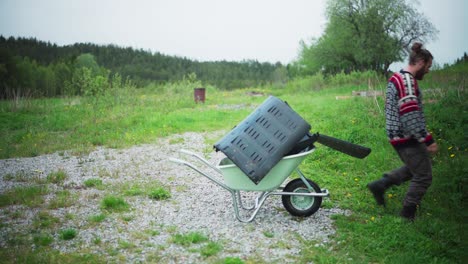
[301, 205]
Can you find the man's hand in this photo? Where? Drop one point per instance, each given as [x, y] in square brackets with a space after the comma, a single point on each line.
[433, 148]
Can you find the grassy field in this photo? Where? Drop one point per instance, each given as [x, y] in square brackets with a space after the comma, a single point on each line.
[370, 234]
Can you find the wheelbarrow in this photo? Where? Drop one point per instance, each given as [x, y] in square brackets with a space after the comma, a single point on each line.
[301, 196]
[262, 152]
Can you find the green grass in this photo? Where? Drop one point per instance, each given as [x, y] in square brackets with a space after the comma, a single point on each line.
[159, 194]
[96, 183]
[114, 204]
[68, 234]
[31, 196]
[62, 199]
[208, 249]
[44, 220]
[43, 240]
[189, 238]
[153, 190]
[371, 234]
[268, 234]
[123, 244]
[232, 260]
[133, 191]
[211, 249]
[51, 125]
[57, 177]
[97, 218]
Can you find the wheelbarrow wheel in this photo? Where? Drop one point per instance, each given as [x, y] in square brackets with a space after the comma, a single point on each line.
[301, 205]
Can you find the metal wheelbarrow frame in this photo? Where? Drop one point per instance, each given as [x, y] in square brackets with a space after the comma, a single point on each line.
[301, 197]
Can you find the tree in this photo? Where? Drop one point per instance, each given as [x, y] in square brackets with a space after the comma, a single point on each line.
[63, 75]
[366, 35]
[87, 61]
[280, 75]
[8, 73]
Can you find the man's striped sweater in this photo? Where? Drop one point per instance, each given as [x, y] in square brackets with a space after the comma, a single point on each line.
[405, 123]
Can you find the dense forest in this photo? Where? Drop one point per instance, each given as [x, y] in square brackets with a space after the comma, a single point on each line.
[36, 68]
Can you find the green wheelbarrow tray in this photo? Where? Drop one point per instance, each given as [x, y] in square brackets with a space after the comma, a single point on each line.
[237, 180]
[301, 197]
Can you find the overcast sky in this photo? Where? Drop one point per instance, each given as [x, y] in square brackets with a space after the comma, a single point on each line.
[206, 30]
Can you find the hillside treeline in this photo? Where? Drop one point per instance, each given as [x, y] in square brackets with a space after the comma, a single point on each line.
[36, 68]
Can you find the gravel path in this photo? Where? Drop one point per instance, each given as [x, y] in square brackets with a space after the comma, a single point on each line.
[145, 232]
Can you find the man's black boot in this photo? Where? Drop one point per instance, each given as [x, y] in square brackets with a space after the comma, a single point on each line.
[378, 188]
[408, 212]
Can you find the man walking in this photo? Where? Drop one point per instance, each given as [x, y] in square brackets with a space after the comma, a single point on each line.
[407, 132]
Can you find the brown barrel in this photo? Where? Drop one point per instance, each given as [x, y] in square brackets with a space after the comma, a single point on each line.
[199, 95]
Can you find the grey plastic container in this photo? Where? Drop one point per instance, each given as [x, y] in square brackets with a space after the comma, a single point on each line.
[262, 139]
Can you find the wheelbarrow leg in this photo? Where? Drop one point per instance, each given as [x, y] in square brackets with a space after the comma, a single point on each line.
[257, 201]
[304, 179]
[239, 198]
[258, 204]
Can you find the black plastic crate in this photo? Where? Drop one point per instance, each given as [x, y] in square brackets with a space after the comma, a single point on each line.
[261, 140]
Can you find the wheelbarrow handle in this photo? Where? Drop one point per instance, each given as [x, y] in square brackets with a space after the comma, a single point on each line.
[183, 162]
[201, 159]
[187, 152]
[195, 168]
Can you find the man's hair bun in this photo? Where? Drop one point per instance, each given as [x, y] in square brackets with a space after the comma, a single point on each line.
[417, 47]
[419, 53]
